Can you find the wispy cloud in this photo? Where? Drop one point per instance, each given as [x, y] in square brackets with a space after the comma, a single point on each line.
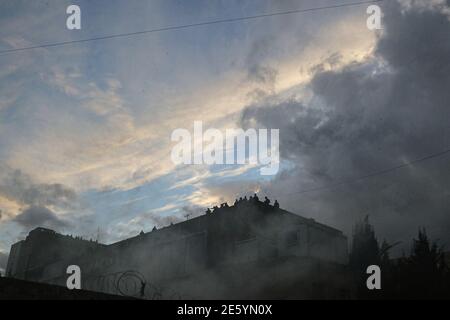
[97, 117]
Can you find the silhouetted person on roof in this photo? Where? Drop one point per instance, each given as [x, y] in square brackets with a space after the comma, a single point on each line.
[143, 284]
[255, 198]
[276, 205]
[266, 201]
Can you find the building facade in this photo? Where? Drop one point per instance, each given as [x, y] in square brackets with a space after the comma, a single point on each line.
[249, 250]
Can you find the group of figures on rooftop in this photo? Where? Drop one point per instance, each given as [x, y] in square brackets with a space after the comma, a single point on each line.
[244, 200]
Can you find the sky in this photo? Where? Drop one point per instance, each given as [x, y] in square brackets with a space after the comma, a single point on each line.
[85, 128]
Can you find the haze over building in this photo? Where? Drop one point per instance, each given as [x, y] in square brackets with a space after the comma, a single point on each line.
[249, 249]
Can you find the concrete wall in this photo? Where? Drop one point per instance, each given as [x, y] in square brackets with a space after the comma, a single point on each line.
[190, 254]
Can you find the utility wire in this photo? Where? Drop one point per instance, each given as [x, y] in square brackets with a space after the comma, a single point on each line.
[373, 174]
[186, 26]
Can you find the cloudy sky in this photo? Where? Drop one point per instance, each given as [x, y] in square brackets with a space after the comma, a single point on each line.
[85, 128]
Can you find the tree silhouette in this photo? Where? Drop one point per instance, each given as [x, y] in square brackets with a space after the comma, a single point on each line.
[422, 275]
[365, 252]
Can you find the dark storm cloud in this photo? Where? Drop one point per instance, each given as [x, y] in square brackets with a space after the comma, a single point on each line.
[371, 116]
[19, 187]
[40, 217]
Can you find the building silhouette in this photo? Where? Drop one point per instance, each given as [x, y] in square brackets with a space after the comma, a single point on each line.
[247, 250]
